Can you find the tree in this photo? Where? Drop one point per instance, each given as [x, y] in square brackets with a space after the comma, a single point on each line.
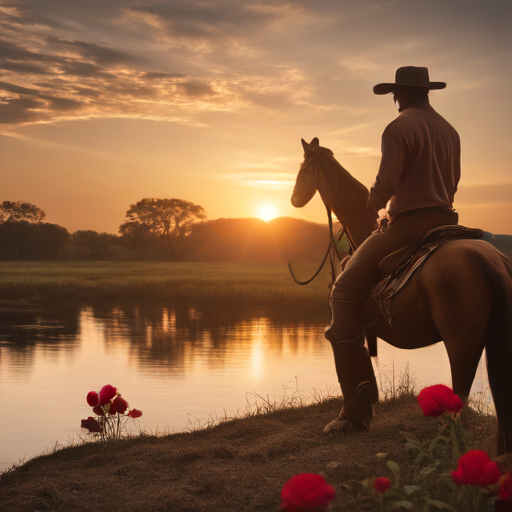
[12, 211]
[23, 240]
[168, 217]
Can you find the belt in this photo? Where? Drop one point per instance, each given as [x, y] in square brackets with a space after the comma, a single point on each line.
[418, 212]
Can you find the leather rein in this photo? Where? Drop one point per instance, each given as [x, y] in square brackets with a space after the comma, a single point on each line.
[332, 251]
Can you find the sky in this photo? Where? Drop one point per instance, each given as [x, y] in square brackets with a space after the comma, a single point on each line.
[103, 103]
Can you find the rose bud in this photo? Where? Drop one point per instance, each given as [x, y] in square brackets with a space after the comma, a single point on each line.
[381, 484]
[306, 491]
[92, 398]
[135, 413]
[120, 404]
[437, 399]
[107, 393]
[476, 468]
[97, 409]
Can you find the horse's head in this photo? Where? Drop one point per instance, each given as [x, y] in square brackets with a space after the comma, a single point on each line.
[307, 179]
[340, 191]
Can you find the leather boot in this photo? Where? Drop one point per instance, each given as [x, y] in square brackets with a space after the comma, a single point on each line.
[358, 385]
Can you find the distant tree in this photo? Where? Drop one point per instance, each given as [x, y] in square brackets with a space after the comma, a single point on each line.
[168, 217]
[23, 240]
[12, 211]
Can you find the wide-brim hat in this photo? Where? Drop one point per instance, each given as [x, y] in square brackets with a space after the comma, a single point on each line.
[409, 76]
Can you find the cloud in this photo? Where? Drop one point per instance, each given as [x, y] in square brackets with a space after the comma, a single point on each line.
[100, 54]
[195, 88]
[17, 15]
[203, 20]
[267, 180]
[180, 58]
[361, 151]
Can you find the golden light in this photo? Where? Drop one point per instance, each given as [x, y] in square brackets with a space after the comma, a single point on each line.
[268, 212]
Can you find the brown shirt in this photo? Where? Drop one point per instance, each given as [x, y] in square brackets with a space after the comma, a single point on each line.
[420, 164]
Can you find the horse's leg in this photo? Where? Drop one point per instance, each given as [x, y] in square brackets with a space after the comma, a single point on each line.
[459, 297]
[371, 341]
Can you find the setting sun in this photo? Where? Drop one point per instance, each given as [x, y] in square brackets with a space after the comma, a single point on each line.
[268, 212]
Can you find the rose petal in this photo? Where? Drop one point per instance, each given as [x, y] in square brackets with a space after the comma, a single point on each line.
[107, 393]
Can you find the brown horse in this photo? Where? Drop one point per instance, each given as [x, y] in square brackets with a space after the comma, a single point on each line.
[462, 295]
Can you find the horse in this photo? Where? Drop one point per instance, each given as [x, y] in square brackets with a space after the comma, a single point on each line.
[462, 295]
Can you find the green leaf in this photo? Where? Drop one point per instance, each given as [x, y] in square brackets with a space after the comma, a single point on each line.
[409, 489]
[439, 504]
[403, 504]
[428, 470]
[391, 464]
[382, 455]
[436, 441]
[412, 446]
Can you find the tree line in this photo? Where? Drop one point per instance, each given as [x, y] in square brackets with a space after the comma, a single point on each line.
[154, 229]
[160, 230]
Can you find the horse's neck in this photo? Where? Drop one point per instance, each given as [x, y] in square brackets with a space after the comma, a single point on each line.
[346, 197]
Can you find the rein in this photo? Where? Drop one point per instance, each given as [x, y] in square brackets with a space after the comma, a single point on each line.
[332, 250]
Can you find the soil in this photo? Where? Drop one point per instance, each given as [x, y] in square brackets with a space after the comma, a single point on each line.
[240, 465]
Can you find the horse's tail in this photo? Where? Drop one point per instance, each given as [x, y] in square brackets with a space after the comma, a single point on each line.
[499, 346]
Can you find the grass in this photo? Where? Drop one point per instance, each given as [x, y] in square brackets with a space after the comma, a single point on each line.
[241, 460]
[193, 282]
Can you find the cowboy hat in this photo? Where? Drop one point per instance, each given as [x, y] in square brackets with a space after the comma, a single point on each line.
[409, 76]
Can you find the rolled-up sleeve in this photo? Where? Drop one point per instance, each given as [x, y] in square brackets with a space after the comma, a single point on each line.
[391, 167]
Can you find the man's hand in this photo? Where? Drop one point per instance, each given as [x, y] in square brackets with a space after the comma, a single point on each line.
[382, 221]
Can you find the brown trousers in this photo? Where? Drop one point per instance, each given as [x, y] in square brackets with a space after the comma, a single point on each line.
[355, 283]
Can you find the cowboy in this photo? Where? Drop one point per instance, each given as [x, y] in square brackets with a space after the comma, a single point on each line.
[418, 175]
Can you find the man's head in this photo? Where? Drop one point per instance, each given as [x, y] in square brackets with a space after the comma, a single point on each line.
[404, 95]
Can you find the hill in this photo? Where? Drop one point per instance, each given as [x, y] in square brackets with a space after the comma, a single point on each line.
[254, 240]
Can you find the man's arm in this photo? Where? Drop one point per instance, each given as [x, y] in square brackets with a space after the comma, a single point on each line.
[391, 166]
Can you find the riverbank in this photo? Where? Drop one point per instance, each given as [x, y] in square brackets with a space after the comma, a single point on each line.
[239, 465]
[269, 283]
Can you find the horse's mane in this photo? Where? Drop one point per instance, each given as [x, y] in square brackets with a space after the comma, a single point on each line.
[345, 195]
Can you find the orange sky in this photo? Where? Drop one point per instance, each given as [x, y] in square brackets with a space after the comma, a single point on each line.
[105, 103]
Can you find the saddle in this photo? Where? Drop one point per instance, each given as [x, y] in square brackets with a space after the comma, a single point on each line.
[398, 268]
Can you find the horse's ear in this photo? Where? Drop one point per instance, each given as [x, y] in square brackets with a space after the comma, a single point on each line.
[315, 143]
[305, 145]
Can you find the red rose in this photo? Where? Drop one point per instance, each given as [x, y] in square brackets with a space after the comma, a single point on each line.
[475, 468]
[506, 487]
[306, 491]
[97, 409]
[120, 404]
[135, 413]
[92, 425]
[437, 399]
[92, 398]
[381, 484]
[107, 393]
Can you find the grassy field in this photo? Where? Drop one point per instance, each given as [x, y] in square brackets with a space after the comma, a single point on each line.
[197, 282]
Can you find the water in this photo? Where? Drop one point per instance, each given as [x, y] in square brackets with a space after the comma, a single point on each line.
[178, 364]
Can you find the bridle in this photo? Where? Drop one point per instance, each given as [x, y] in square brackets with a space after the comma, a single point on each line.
[332, 251]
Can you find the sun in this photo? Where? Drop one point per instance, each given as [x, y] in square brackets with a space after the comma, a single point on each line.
[268, 212]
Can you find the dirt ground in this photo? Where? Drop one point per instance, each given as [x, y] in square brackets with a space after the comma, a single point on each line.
[237, 466]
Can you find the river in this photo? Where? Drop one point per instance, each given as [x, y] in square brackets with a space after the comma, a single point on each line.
[182, 366]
